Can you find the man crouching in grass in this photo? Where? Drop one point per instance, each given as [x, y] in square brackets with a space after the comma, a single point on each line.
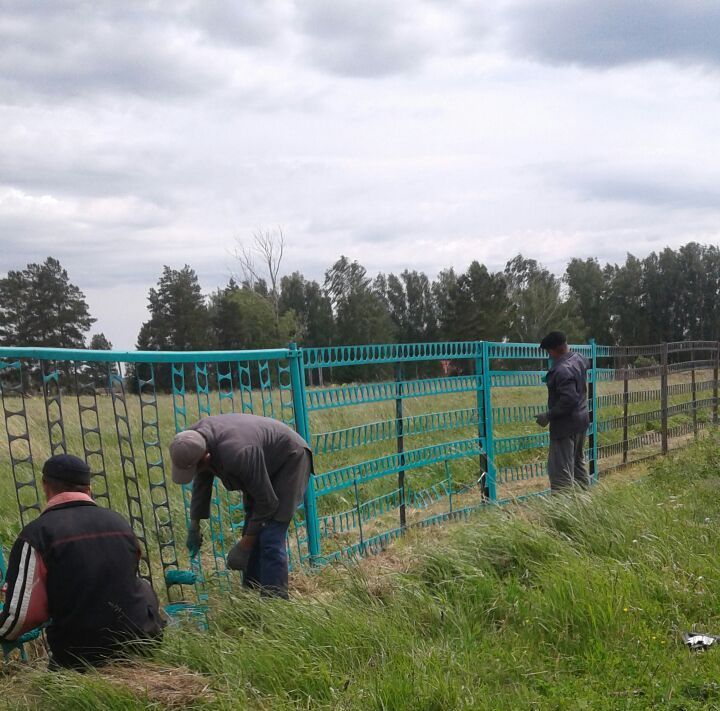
[76, 566]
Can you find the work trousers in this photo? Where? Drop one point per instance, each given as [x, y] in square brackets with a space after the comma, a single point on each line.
[267, 568]
[566, 463]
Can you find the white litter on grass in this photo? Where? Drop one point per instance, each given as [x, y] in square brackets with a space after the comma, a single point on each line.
[698, 641]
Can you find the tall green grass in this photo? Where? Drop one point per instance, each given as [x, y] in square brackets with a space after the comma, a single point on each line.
[575, 602]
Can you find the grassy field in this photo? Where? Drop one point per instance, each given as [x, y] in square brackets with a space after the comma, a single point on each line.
[568, 603]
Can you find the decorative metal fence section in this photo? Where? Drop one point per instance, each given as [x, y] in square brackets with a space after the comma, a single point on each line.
[119, 412]
[404, 435]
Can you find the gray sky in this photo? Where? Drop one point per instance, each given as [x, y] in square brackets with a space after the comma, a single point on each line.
[408, 134]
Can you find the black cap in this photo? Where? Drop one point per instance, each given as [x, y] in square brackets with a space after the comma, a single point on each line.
[67, 468]
[553, 340]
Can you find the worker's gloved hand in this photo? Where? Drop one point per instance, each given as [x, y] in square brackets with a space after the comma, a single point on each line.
[543, 419]
[194, 540]
[239, 554]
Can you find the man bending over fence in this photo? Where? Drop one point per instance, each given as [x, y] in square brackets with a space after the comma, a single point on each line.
[75, 567]
[266, 460]
[567, 413]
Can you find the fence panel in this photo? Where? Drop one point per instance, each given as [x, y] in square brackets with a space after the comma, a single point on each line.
[119, 412]
[399, 438]
[403, 434]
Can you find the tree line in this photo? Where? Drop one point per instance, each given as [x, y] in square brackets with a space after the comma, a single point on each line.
[667, 296]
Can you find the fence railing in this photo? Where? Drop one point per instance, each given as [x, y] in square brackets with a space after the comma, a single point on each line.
[404, 435]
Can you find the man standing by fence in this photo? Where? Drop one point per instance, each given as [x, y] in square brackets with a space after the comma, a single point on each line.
[266, 460]
[567, 413]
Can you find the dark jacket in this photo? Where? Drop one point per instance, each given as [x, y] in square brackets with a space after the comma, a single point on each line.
[248, 453]
[79, 562]
[567, 396]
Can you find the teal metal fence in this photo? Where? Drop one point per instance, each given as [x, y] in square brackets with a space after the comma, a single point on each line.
[404, 435]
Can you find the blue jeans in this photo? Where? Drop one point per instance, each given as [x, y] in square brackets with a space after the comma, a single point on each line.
[267, 568]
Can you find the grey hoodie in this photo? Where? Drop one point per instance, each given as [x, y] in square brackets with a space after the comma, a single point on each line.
[567, 396]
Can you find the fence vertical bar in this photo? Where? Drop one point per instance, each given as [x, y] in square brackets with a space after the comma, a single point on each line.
[625, 414]
[448, 476]
[694, 394]
[359, 516]
[52, 395]
[302, 425]
[593, 412]
[17, 430]
[664, 396]
[715, 383]
[484, 405]
[400, 438]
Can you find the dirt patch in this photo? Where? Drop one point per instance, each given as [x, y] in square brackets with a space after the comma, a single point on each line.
[170, 687]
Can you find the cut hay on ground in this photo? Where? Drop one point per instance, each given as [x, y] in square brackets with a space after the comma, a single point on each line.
[170, 687]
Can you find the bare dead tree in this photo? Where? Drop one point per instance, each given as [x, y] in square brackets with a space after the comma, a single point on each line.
[261, 260]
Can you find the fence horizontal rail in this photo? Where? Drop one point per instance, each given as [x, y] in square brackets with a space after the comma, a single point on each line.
[81, 355]
[517, 378]
[517, 413]
[518, 443]
[339, 356]
[362, 472]
[654, 415]
[687, 365]
[675, 346]
[627, 351]
[527, 351]
[362, 394]
[363, 435]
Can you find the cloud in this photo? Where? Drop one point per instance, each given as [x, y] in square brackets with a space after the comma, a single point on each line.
[375, 38]
[402, 134]
[256, 23]
[607, 33]
[69, 49]
[662, 188]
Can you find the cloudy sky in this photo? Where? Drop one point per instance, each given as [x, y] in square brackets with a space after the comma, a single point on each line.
[405, 134]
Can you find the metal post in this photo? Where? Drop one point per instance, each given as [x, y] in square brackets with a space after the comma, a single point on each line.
[448, 475]
[593, 411]
[400, 438]
[359, 516]
[694, 394]
[625, 414]
[297, 380]
[715, 383]
[485, 423]
[664, 396]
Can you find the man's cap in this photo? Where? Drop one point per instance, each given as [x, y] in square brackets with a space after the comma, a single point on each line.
[67, 468]
[186, 451]
[553, 340]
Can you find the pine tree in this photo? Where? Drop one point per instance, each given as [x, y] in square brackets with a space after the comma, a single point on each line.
[178, 314]
[96, 373]
[40, 307]
[179, 321]
[360, 314]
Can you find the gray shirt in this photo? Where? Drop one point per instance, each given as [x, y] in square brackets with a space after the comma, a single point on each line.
[567, 396]
[250, 454]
